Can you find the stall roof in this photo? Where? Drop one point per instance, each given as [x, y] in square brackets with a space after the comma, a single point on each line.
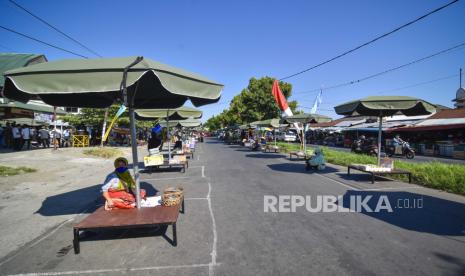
[375, 126]
[449, 114]
[444, 119]
[349, 123]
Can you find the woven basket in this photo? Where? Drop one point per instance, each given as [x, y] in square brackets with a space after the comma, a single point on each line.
[178, 191]
[170, 200]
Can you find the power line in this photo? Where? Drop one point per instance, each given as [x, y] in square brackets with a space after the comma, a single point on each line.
[420, 83]
[386, 71]
[43, 42]
[371, 41]
[55, 28]
[399, 88]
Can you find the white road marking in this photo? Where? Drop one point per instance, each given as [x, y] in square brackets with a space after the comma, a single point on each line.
[338, 182]
[198, 157]
[99, 271]
[196, 198]
[167, 178]
[203, 171]
[215, 236]
[393, 188]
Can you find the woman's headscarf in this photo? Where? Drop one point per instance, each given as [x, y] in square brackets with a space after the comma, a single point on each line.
[123, 173]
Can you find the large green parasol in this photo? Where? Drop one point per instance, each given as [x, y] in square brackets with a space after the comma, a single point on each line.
[304, 119]
[187, 123]
[179, 113]
[307, 118]
[382, 106]
[273, 123]
[134, 81]
[98, 83]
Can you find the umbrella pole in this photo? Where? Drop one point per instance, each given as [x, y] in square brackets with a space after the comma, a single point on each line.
[379, 138]
[132, 125]
[168, 136]
[303, 139]
[274, 134]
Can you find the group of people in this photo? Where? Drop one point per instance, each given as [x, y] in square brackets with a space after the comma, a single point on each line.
[19, 137]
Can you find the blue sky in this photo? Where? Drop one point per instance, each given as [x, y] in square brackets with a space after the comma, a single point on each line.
[232, 41]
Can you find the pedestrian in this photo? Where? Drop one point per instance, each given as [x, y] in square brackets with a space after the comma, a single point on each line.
[16, 136]
[8, 136]
[56, 134]
[26, 137]
[1, 136]
[66, 137]
[44, 137]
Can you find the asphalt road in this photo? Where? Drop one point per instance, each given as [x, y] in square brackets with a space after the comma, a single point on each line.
[225, 230]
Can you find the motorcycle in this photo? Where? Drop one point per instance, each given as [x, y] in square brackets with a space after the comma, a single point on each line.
[404, 150]
[358, 146]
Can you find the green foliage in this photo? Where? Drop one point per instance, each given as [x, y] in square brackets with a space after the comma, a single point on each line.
[9, 171]
[95, 117]
[105, 152]
[254, 103]
[447, 177]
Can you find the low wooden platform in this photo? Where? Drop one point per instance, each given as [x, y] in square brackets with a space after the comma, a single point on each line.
[129, 219]
[270, 148]
[297, 154]
[166, 164]
[373, 174]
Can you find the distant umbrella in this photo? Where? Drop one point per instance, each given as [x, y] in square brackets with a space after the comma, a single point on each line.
[382, 106]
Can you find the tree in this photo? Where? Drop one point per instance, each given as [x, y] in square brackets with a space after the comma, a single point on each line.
[95, 116]
[253, 103]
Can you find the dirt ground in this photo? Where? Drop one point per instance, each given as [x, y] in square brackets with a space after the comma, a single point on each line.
[25, 203]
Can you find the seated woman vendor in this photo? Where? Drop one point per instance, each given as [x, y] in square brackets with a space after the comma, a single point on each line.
[119, 189]
[317, 161]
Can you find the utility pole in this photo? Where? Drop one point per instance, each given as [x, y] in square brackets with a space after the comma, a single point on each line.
[460, 77]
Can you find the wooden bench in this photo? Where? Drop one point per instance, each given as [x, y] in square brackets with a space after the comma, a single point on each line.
[373, 174]
[129, 219]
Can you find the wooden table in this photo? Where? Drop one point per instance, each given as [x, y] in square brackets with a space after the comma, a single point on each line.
[373, 174]
[129, 219]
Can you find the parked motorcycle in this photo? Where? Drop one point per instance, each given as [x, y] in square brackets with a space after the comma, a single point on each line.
[359, 146]
[401, 150]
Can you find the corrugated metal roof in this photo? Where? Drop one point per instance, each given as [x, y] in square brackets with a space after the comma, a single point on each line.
[350, 123]
[437, 122]
[449, 113]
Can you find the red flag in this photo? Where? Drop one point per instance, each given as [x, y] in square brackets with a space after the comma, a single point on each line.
[280, 99]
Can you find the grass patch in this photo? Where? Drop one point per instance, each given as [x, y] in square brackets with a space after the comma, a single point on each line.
[106, 153]
[437, 175]
[9, 171]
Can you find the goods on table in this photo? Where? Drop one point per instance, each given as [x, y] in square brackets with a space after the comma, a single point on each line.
[151, 201]
[153, 160]
[371, 168]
